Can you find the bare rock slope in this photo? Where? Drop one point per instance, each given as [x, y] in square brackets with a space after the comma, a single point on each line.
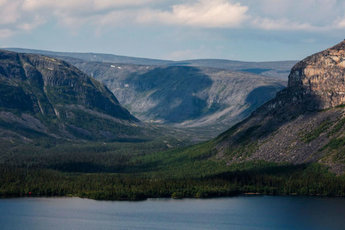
[304, 123]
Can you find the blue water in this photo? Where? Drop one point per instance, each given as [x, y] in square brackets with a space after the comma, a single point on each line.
[254, 212]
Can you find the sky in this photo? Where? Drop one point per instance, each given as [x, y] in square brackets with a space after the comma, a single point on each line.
[248, 30]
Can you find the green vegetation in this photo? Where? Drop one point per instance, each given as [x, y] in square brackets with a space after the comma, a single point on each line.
[64, 134]
[135, 171]
[242, 150]
[324, 126]
[335, 148]
[335, 143]
[337, 127]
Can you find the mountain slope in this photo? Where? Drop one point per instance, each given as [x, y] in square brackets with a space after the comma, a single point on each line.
[187, 94]
[42, 96]
[304, 123]
[184, 95]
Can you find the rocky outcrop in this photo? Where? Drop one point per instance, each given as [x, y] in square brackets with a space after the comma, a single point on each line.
[319, 80]
[304, 123]
[315, 83]
[321, 76]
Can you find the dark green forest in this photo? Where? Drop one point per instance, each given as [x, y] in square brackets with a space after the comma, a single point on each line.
[136, 171]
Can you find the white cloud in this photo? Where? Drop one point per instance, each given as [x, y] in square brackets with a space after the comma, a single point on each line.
[296, 10]
[81, 5]
[340, 23]
[5, 33]
[25, 15]
[287, 15]
[204, 13]
[281, 24]
[75, 13]
[9, 11]
[28, 25]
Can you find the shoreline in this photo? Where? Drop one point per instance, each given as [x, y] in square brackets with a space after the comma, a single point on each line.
[247, 194]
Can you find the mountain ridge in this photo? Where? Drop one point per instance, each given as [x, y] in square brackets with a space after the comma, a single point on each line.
[52, 97]
[199, 98]
[95, 57]
[268, 68]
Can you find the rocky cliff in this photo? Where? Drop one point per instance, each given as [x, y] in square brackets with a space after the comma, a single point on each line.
[319, 80]
[304, 123]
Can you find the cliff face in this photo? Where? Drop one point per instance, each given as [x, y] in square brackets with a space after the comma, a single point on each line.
[320, 76]
[304, 123]
[52, 98]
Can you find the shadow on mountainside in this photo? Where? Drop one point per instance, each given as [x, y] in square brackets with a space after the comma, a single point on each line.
[260, 169]
[284, 108]
[260, 96]
[176, 89]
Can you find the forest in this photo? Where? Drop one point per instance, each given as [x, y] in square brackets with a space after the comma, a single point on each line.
[127, 171]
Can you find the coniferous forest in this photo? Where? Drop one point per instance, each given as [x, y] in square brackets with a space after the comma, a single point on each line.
[122, 171]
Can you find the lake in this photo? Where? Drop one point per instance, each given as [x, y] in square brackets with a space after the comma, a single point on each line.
[244, 212]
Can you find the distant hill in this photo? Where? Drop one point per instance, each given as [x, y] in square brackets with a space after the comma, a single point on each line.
[95, 57]
[45, 97]
[279, 69]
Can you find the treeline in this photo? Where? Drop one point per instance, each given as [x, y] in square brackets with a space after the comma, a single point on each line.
[272, 180]
[136, 171]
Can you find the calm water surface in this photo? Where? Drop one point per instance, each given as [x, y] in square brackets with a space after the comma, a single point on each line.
[257, 212]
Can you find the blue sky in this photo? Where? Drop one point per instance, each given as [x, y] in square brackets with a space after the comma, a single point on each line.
[252, 30]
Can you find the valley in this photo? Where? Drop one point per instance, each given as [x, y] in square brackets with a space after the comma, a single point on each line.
[202, 97]
[289, 143]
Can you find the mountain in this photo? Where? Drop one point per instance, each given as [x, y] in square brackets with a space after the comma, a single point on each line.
[279, 69]
[285, 147]
[95, 57]
[304, 123]
[187, 94]
[46, 97]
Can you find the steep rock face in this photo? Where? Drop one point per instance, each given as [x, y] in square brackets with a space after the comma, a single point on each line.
[53, 98]
[315, 83]
[320, 79]
[304, 123]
